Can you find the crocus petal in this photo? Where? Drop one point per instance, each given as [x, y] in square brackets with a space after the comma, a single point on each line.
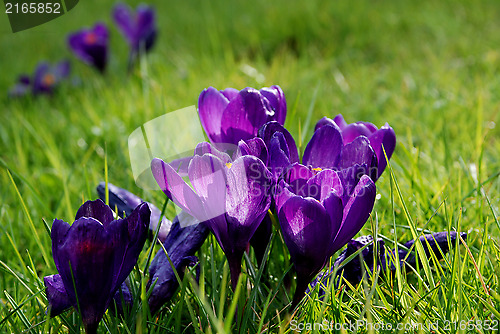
[359, 152]
[96, 209]
[255, 147]
[307, 231]
[350, 177]
[297, 177]
[124, 18]
[268, 130]
[181, 244]
[207, 174]
[91, 45]
[356, 212]
[339, 120]
[385, 137]
[177, 189]
[282, 194]
[277, 100]
[279, 156]
[211, 105]
[248, 191]
[146, 27]
[204, 148]
[128, 236]
[323, 150]
[354, 130]
[230, 93]
[244, 115]
[62, 69]
[325, 121]
[84, 255]
[56, 295]
[322, 184]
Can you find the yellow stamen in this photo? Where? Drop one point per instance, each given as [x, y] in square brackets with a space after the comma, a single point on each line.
[317, 169]
[48, 79]
[229, 165]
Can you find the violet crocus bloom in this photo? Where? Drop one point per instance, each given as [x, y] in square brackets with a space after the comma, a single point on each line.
[230, 197]
[93, 257]
[125, 202]
[139, 28]
[44, 80]
[324, 150]
[384, 136]
[319, 211]
[229, 115]
[91, 46]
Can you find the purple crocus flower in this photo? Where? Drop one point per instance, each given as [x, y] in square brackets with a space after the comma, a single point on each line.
[229, 116]
[139, 28]
[325, 150]
[93, 257]
[230, 197]
[384, 136]
[91, 45]
[45, 79]
[319, 212]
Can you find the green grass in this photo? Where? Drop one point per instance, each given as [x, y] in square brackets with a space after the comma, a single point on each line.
[428, 68]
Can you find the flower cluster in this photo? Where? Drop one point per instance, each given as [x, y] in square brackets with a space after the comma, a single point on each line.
[91, 46]
[249, 172]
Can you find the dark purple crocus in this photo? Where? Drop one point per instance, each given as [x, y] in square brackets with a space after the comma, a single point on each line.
[44, 80]
[93, 257]
[230, 197]
[229, 115]
[139, 28]
[91, 46]
[319, 212]
[384, 136]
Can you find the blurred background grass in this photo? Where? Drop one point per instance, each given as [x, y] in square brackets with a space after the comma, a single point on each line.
[430, 69]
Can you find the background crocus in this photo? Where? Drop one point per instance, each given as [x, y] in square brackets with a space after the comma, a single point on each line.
[229, 115]
[93, 257]
[139, 28]
[318, 215]
[384, 136]
[230, 197]
[91, 46]
[45, 79]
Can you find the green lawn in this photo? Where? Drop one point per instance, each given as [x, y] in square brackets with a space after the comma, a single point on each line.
[430, 69]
